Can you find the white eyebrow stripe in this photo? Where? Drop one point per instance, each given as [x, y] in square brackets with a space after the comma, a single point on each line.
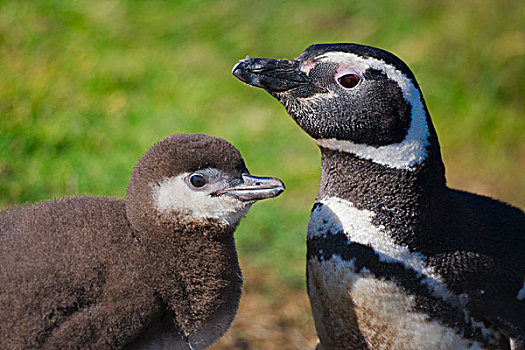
[409, 152]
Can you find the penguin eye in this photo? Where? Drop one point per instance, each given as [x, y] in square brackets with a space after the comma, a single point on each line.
[197, 180]
[349, 81]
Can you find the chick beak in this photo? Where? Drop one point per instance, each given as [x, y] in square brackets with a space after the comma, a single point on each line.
[254, 188]
[269, 74]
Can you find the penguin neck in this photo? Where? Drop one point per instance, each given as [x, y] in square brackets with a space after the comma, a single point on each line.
[376, 187]
[196, 271]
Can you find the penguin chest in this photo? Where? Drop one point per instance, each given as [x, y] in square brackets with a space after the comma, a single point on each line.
[356, 286]
[161, 334]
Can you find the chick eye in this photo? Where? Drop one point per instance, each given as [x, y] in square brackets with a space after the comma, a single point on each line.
[197, 180]
[349, 80]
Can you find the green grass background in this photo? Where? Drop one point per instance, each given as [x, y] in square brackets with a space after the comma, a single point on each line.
[87, 86]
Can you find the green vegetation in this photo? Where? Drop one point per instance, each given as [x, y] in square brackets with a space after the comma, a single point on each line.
[87, 86]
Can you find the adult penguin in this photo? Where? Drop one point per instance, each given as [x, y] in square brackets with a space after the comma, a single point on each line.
[396, 259]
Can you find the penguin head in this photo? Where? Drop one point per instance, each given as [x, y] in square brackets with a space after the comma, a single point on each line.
[189, 179]
[351, 98]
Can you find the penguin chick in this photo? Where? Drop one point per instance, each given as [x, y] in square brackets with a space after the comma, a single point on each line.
[396, 259]
[156, 270]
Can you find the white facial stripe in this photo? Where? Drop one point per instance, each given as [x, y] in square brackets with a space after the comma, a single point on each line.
[521, 293]
[337, 214]
[404, 155]
[173, 194]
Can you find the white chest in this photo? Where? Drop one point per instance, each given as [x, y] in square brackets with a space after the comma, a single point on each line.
[339, 215]
[354, 305]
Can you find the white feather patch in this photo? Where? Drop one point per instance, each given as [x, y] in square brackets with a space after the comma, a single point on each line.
[173, 194]
[385, 314]
[338, 214]
[404, 155]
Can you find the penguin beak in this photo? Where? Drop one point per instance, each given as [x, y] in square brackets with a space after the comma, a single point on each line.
[254, 188]
[271, 75]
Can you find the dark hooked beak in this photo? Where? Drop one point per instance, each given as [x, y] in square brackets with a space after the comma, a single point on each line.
[254, 188]
[269, 74]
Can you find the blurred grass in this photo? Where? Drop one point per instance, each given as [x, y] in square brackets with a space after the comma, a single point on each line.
[87, 86]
